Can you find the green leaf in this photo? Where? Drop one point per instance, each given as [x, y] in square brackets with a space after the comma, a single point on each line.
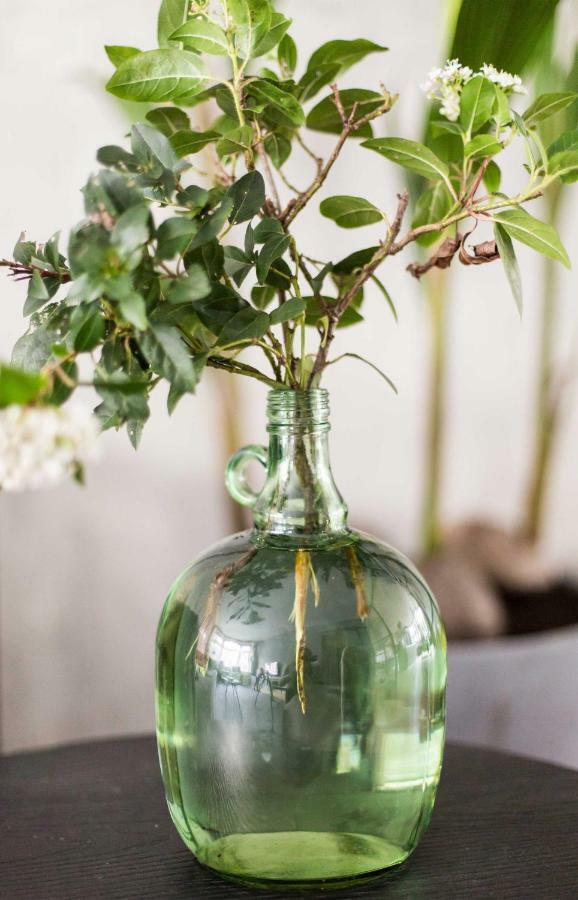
[193, 197]
[87, 327]
[265, 228]
[117, 54]
[291, 309]
[60, 391]
[213, 224]
[287, 54]
[279, 275]
[567, 141]
[124, 398]
[175, 236]
[272, 250]
[492, 177]
[133, 309]
[117, 158]
[564, 164]
[167, 355]
[110, 191]
[235, 141]
[261, 296]
[168, 120]
[202, 37]
[251, 20]
[248, 196]
[37, 294]
[354, 261]
[159, 75]
[131, 230]
[411, 155]
[499, 33]
[34, 349]
[89, 251]
[286, 106]
[433, 205]
[246, 325]
[237, 264]
[483, 145]
[278, 149]
[187, 142]
[547, 105]
[172, 13]
[542, 237]
[502, 113]
[476, 103]
[315, 79]
[367, 362]
[210, 256]
[442, 125]
[151, 146]
[317, 310]
[508, 257]
[175, 394]
[325, 116]
[24, 251]
[20, 387]
[277, 29]
[195, 285]
[350, 212]
[343, 53]
[385, 293]
[219, 308]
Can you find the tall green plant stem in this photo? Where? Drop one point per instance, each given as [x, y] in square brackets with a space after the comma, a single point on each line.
[547, 417]
[437, 306]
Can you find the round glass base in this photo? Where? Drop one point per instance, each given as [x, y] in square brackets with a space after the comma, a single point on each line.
[301, 859]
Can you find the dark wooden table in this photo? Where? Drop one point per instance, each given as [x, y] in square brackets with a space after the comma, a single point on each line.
[90, 821]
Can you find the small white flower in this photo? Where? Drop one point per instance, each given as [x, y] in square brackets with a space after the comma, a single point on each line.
[446, 84]
[450, 107]
[508, 83]
[40, 446]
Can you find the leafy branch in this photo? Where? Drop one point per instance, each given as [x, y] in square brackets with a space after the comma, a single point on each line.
[190, 252]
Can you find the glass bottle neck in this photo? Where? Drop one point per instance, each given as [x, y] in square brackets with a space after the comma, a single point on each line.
[299, 498]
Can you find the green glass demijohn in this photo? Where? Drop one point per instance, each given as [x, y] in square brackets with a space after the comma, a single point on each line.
[301, 676]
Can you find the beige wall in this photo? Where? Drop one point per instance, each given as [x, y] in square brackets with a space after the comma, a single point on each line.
[83, 572]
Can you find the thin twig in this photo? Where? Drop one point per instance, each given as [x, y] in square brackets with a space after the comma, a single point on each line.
[351, 124]
[337, 310]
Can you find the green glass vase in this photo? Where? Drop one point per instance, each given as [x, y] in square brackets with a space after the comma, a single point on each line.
[301, 678]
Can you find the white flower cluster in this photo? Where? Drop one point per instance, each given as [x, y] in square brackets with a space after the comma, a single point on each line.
[509, 83]
[40, 446]
[446, 84]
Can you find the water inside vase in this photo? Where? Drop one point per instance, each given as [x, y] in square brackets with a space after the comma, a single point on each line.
[264, 785]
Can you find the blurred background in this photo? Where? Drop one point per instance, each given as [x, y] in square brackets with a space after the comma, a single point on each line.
[84, 571]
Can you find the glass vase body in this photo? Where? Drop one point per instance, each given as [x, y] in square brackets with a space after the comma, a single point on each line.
[300, 682]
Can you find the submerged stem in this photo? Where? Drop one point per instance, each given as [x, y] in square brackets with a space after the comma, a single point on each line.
[216, 588]
[357, 578]
[302, 573]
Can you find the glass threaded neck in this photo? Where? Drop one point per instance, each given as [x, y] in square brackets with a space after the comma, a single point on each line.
[299, 410]
[299, 499]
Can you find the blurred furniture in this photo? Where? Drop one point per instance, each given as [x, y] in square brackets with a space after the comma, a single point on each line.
[90, 820]
[517, 693]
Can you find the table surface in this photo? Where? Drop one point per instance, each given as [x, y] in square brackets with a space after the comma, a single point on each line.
[90, 821]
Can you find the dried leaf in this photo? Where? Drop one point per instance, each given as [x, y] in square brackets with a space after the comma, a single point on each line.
[441, 259]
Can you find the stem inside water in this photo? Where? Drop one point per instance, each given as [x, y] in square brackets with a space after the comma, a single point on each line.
[307, 479]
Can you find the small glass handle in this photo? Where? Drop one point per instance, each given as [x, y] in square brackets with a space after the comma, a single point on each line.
[235, 477]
